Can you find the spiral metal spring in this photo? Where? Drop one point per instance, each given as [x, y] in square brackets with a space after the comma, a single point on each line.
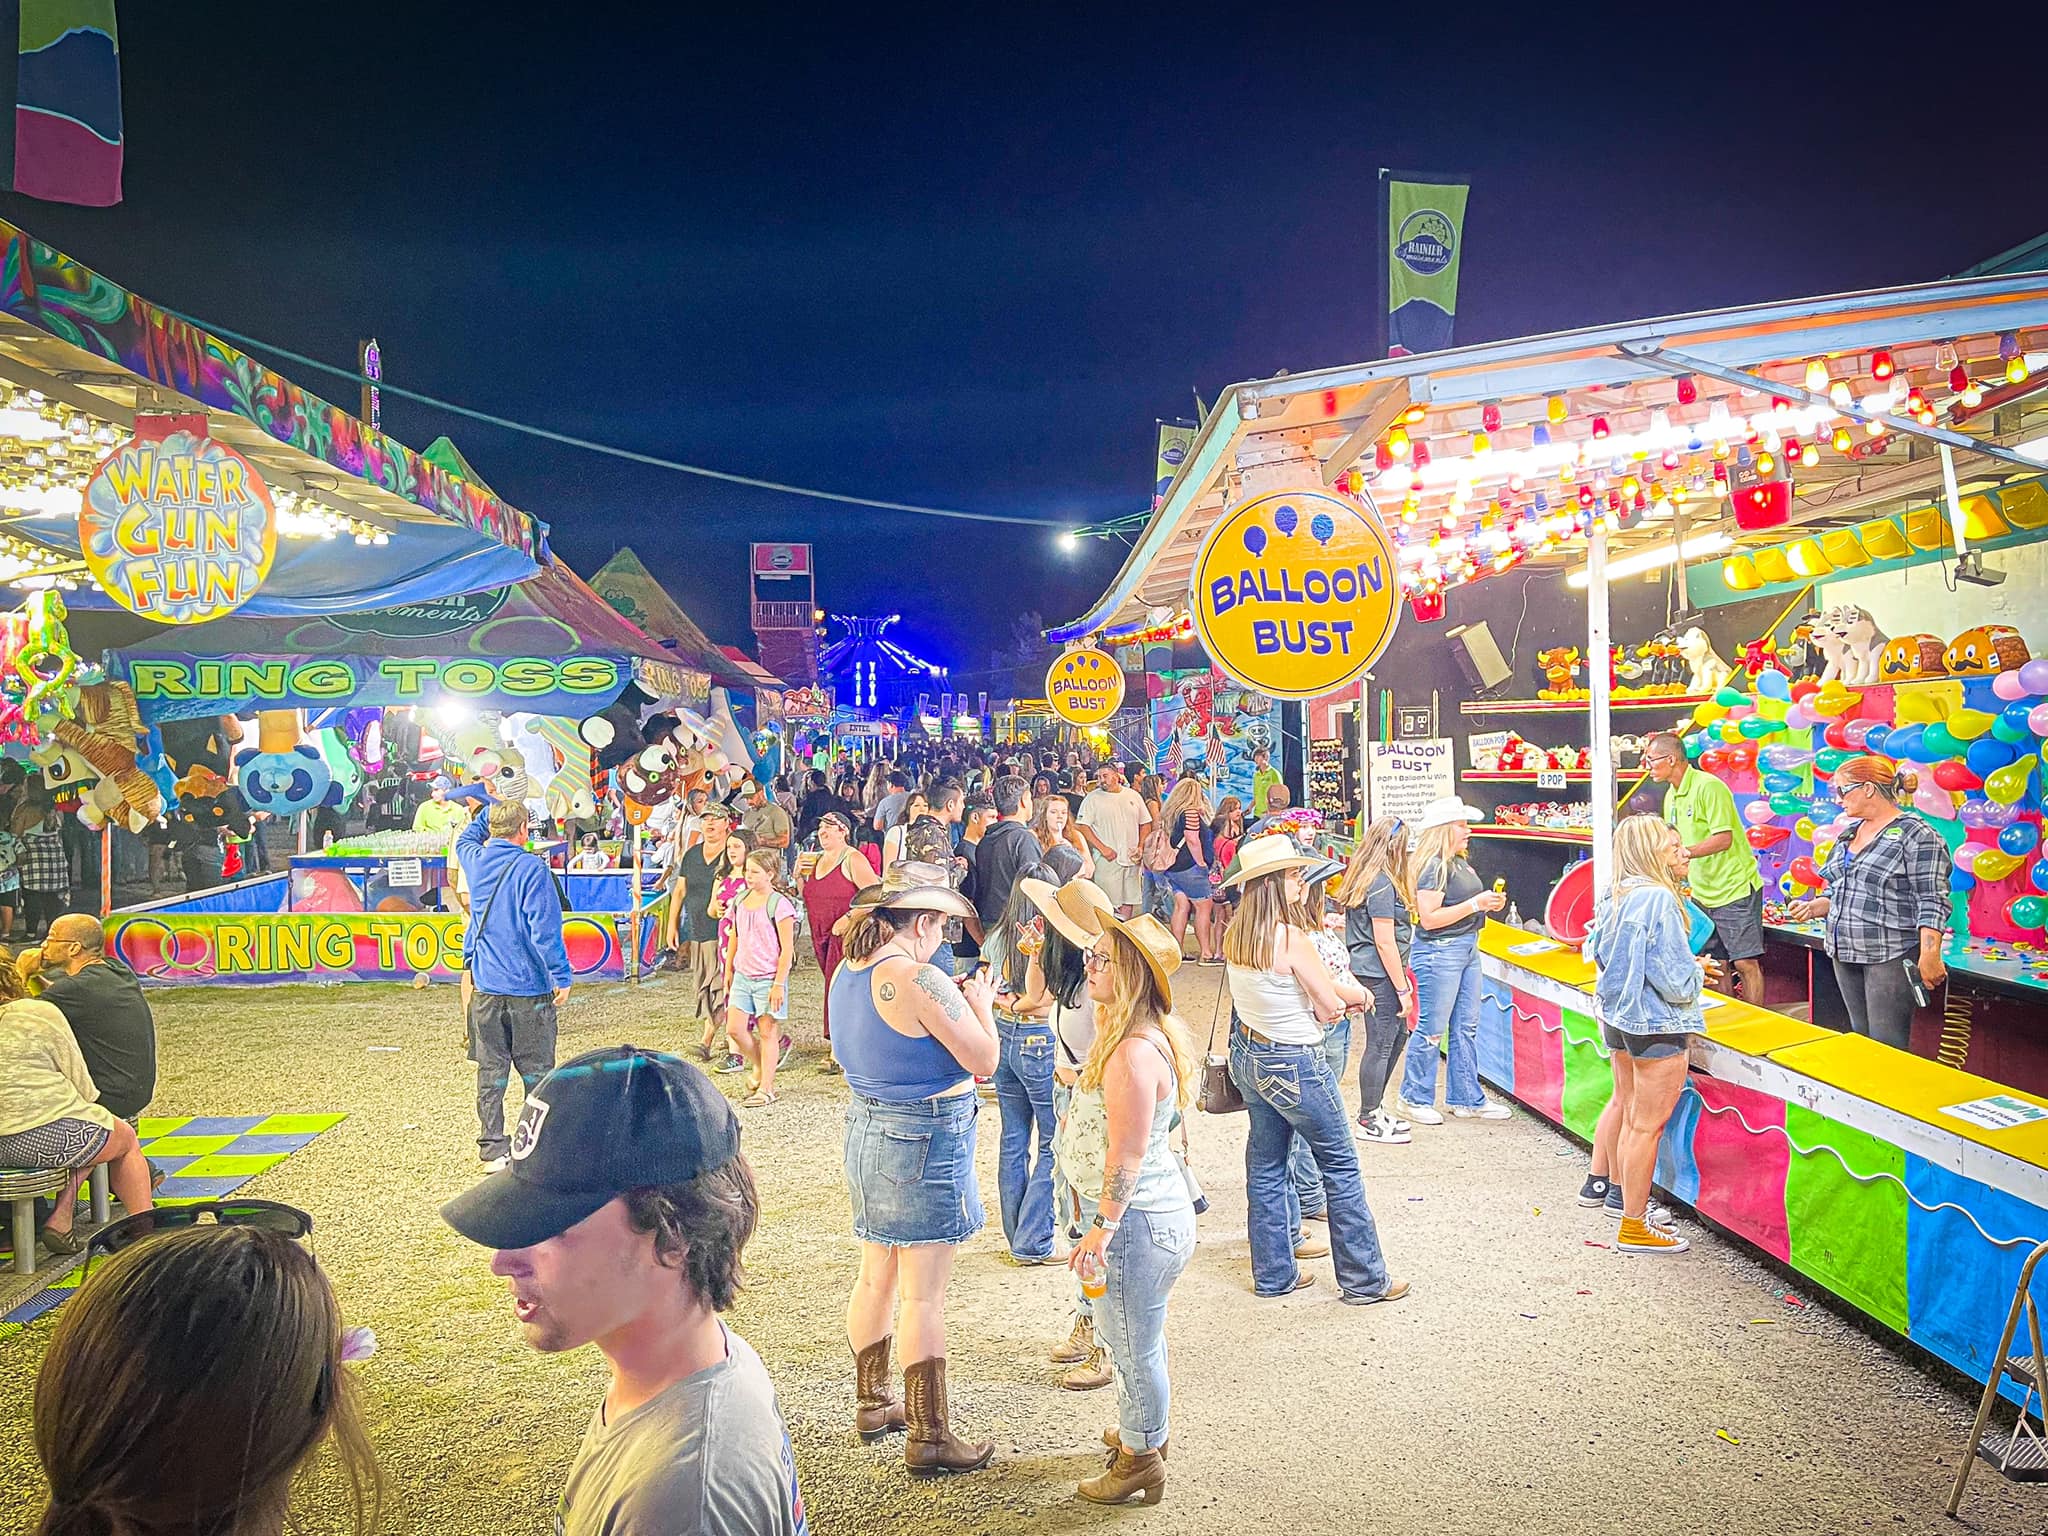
[1955, 1030]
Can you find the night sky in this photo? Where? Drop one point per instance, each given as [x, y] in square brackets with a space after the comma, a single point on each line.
[967, 259]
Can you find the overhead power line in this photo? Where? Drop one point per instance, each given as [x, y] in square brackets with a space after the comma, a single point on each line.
[610, 450]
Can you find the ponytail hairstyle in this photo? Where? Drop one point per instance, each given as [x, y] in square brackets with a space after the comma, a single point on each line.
[1895, 781]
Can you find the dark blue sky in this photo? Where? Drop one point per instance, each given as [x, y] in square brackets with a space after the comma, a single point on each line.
[966, 258]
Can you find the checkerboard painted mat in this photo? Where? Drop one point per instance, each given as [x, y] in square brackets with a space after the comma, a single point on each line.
[206, 1157]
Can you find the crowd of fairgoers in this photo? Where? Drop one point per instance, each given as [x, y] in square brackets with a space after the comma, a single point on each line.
[987, 926]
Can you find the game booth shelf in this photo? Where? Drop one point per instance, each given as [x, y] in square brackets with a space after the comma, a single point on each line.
[1786, 534]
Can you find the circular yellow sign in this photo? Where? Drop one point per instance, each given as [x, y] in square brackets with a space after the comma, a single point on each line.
[177, 528]
[1085, 687]
[1296, 593]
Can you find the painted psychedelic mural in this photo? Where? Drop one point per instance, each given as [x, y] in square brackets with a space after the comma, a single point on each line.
[1201, 718]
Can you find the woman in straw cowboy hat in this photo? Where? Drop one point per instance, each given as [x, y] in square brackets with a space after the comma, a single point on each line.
[1057, 987]
[1451, 906]
[1138, 1076]
[1280, 992]
[910, 1042]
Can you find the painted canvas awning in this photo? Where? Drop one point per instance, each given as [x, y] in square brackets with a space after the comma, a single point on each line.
[364, 521]
[625, 582]
[549, 646]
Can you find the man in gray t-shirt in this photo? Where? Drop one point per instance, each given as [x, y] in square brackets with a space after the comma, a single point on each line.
[622, 1216]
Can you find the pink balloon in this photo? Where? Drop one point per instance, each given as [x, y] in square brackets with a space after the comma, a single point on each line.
[1933, 800]
[2007, 686]
[1757, 812]
[1741, 711]
[1856, 732]
[1966, 856]
[2037, 717]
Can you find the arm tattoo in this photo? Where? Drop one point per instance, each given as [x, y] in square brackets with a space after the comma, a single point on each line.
[1119, 1184]
[888, 991]
[936, 985]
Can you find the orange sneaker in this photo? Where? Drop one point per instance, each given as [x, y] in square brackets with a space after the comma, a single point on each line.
[1638, 1236]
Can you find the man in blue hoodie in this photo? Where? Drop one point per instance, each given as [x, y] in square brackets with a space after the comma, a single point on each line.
[518, 968]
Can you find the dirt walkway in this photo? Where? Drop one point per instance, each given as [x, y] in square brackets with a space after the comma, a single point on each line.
[1531, 1383]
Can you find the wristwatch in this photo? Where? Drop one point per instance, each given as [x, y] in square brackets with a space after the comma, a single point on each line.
[1106, 1225]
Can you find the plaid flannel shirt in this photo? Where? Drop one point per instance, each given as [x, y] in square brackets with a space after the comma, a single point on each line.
[1880, 899]
[40, 857]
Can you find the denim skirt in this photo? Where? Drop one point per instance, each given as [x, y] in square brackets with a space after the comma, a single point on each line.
[910, 1170]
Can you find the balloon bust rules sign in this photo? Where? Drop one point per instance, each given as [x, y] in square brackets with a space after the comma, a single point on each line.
[1295, 593]
[177, 526]
[1084, 687]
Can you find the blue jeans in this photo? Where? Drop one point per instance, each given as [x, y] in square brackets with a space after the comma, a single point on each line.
[1289, 1092]
[1144, 1258]
[1447, 987]
[1024, 1094]
[942, 957]
[910, 1170]
[1063, 1196]
[1301, 1166]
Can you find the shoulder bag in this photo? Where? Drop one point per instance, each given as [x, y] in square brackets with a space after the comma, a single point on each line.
[1219, 1090]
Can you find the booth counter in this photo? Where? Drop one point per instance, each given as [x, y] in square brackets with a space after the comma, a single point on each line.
[1911, 1190]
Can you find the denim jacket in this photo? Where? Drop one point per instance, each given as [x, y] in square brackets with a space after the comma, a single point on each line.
[1648, 982]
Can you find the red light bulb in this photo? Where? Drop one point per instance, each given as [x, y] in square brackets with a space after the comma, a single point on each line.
[1881, 366]
[1958, 379]
[1688, 389]
[1600, 429]
[1489, 418]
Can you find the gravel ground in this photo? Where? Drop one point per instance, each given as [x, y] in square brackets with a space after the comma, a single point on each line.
[1530, 1382]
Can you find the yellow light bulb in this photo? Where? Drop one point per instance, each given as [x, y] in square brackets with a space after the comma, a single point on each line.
[2016, 370]
[1816, 375]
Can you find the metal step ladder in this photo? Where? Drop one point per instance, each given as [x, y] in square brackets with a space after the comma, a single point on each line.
[2022, 1454]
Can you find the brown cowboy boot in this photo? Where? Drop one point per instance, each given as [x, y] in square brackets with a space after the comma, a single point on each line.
[933, 1448]
[1089, 1374]
[1080, 1343]
[1143, 1474]
[879, 1409]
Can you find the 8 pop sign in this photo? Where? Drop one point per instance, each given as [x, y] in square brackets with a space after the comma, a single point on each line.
[177, 526]
[1084, 687]
[1295, 593]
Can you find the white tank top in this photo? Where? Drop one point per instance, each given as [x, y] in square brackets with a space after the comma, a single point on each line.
[1274, 1005]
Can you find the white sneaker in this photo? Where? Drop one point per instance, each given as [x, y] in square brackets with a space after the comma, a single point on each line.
[1486, 1111]
[1381, 1129]
[1421, 1114]
[497, 1164]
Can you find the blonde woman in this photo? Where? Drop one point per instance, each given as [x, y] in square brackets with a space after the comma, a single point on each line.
[1451, 906]
[1185, 820]
[1052, 823]
[1378, 897]
[1280, 994]
[1139, 1074]
[1648, 997]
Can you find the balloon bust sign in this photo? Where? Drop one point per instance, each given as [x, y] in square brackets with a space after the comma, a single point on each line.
[177, 526]
[1295, 593]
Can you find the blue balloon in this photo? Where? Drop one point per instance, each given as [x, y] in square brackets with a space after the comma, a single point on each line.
[1905, 741]
[1961, 880]
[1286, 519]
[1781, 783]
[2039, 875]
[1255, 539]
[1771, 684]
[2022, 837]
[1323, 526]
[1986, 756]
[1877, 739]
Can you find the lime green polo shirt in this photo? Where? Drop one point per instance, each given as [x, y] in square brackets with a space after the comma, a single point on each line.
[1700, 805]
[1262, 786]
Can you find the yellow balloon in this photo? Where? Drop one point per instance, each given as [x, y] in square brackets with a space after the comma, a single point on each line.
[1803, 829]
[1995, 864]
[2008, 783]
[1709, 712]
[1969, 724]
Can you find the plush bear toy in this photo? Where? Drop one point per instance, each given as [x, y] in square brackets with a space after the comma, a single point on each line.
[283, 776]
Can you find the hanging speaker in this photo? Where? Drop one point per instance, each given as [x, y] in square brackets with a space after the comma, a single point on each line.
[1478, 657]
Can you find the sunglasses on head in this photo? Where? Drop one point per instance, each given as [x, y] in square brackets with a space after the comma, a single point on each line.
[130, 1230]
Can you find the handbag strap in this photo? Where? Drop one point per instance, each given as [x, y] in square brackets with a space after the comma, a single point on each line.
[1216, 1017]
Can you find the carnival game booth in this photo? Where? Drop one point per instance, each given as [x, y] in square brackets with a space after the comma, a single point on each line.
[506, 684]
[1788, 533]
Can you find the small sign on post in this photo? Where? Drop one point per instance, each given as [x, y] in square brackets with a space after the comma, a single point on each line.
[1402, 777]
[403, 874]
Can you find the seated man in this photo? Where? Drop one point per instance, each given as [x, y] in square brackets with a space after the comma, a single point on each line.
[103, 1003]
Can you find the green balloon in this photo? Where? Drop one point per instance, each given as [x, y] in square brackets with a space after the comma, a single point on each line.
[1828, 759]
[1756, 728]
[1730, 698]
[2011, 735]
[1788, 805]
[2028, 911]
[1695, 744]
[1943, 742]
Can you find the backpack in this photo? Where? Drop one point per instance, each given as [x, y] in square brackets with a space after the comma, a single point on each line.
[1155, 852]
[929, 840]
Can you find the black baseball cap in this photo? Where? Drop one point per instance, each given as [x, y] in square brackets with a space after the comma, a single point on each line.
[596, 1127]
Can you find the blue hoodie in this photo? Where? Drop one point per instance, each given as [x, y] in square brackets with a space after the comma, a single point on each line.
[514, 942]
[1648, 981]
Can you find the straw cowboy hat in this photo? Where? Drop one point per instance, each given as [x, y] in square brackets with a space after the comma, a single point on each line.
[1157, 946]
[1445, 810]
[909, 886]
[1076, 909]
[1266, 855]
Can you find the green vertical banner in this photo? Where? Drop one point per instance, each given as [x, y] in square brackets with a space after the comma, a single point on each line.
[1422, 221]
[1175, 441]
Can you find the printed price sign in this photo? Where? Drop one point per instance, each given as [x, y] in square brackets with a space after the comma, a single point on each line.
[2000, 1112]
[1550, 778]
[403, 873]
[1402, 777]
